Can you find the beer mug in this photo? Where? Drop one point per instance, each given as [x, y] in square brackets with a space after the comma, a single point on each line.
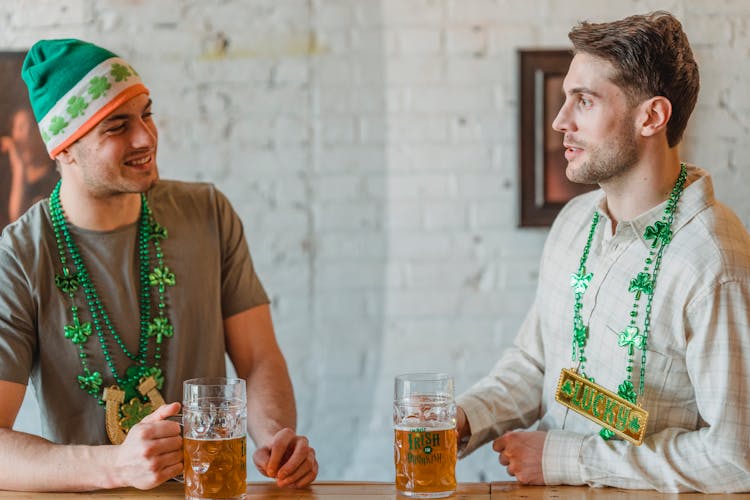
[214, 419]
[425, 438]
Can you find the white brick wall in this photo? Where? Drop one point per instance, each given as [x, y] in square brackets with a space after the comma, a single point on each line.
[370, 148]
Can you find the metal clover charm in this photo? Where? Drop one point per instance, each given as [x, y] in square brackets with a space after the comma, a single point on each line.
[158, 232]
[580, 281]
[660, 231]
[161, 276]
[67, 283]
[606, 434]
[78, 333]
[627, 391]
[157, 374]
[641, 283]
[631, 336]
[160, 328]
[90, 382]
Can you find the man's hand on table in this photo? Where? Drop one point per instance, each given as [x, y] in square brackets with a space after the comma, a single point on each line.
[151, 452]
[288, 458]
[521, 453]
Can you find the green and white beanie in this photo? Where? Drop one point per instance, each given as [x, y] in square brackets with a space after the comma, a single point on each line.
[73, 85]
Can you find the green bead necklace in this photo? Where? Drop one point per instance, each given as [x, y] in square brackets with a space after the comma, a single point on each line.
[644, 282]
[154, 325]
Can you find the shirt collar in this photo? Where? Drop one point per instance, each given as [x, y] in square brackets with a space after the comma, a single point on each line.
[697, 196]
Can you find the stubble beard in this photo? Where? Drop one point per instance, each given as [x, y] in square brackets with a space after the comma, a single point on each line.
[605, 163]
[105, 187]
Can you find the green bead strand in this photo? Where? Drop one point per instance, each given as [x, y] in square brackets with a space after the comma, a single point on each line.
[105, 331]
[630, 337]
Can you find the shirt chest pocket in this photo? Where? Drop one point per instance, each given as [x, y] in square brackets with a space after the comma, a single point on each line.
[658, 372]
[658, 368]
[669, 396]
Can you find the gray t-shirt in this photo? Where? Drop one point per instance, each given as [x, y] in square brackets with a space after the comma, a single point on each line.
[215, 279]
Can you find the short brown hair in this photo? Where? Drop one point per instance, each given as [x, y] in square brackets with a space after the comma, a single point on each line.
[652, 57]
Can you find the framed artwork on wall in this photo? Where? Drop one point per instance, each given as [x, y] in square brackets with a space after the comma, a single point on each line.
[544, 186]
[27, 174]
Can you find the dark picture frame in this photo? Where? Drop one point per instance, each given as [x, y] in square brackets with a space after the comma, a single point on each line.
[544, 187]
[27, 175]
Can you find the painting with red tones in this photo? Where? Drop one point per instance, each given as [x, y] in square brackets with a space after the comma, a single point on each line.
[27, 174]
[544, 187]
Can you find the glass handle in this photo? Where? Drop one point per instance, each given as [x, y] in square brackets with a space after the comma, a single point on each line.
[175, 418]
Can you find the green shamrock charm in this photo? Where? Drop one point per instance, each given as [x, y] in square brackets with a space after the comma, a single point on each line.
[627, 391]
[76, 106]
[641, 283]
[78, 333]
[161, 276]
[660, 231]
[580, 281]
[158, 232]
[133, 412]
[160, 328]
[631, 336]
[158, 376]
[98, 86]
[580, 332]
[67, 283]
[120, 72]
[606, 434]
[90, 382]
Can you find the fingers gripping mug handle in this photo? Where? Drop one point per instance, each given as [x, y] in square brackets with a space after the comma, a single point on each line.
[180, 478]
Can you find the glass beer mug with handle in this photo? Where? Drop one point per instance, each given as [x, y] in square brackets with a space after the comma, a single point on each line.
[214, 419]
[425, 438]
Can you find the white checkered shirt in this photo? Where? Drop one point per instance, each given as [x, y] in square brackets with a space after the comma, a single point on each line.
[697, 383]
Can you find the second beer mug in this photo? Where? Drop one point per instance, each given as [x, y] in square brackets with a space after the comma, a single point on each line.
[425, 439]
[214, 417]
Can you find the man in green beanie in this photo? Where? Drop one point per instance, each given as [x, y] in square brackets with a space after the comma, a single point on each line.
[118, 280]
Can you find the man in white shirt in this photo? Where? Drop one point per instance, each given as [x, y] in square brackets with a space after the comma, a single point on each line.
[644, 293]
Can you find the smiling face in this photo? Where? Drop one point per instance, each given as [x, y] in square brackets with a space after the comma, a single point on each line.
[598, 123]
[118, 155]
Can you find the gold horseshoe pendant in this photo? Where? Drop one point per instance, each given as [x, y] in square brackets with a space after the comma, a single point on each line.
[118, 424]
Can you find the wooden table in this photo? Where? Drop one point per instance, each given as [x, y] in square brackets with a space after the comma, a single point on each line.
[380, 491]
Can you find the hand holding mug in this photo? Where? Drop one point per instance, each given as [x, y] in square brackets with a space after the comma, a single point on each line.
[152, 450]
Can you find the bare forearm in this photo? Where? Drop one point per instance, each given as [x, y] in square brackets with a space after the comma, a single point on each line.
[270, 403]
[31, 463]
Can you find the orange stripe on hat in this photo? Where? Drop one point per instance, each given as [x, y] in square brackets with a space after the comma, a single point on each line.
[100, 115]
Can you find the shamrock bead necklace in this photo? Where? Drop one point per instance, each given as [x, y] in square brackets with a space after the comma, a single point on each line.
[155, 325]
[643, 283]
